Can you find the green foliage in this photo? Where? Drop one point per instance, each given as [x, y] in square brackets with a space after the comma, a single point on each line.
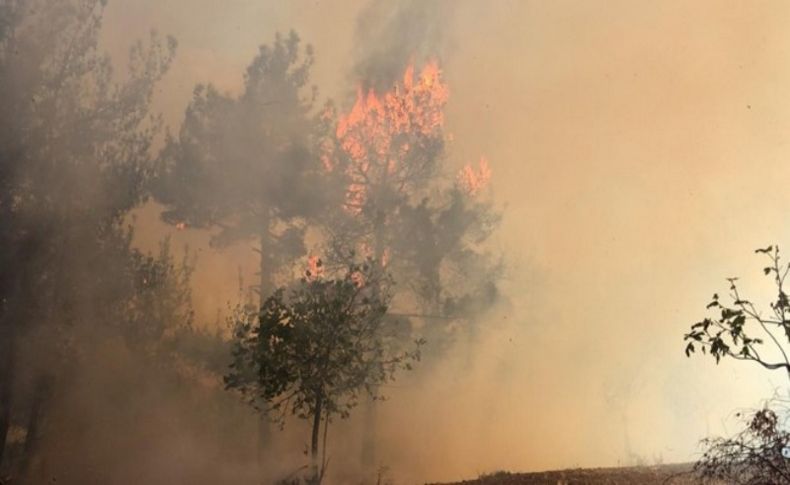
[159, 303]
[739, 330]
[74, 153]
[438, 249]
[318, 345]
[74, 160]
[241, 163]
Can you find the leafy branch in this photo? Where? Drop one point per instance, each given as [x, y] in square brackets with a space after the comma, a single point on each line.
[740, 331]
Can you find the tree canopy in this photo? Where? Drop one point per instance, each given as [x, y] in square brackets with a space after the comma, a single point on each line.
[314, 349]
[740, 331]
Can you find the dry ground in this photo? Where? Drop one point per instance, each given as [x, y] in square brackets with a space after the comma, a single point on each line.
[648, 475]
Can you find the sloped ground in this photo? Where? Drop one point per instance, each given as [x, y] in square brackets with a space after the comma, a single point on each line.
[653, 475]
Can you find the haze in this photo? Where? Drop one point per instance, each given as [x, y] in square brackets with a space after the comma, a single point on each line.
[638, 152]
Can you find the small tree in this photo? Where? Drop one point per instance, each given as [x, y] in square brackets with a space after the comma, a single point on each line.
[311, 351]
[759, 453]
[755, 456]
[740, 330]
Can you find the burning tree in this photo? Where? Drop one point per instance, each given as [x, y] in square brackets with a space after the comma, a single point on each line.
[387, 147]
[313, 350]
[400, 210]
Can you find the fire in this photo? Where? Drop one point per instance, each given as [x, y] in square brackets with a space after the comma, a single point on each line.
[408, 106]
[388, 145]
[383, 135]
[472, 181]
[315, 268]
[368, 253]
[358, 279]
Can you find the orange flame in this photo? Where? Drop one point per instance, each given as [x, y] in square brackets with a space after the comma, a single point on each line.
[315, 268]
[358, 279]
[472, 181]
[367, 252]
[381, 131]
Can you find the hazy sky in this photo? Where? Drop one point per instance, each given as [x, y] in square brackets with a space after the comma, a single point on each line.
[639, 152]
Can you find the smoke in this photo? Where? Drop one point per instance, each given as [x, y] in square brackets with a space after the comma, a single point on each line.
[634, 150]
[389, 36]
[581, 130]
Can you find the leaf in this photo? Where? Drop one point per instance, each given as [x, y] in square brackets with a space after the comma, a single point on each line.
[689, 349]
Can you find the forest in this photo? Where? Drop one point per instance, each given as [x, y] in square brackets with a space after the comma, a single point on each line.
[369, 248]
[392, 242]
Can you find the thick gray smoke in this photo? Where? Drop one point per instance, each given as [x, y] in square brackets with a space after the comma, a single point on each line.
[391, 35]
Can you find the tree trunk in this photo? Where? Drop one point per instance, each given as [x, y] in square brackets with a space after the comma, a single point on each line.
[32, 439]
[15, 294]
[369, 435]
[265, 289]
[319, 404]
[6, 386]
[369, 420]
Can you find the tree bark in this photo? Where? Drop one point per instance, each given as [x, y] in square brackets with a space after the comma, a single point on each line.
[370, 414]
[41, 395]
[265, 289]
[369, 435]
[319, 404]
[6, 386]
[14, 314]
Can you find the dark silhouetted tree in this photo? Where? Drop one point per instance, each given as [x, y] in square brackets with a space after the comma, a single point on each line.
[312, 351]
[739, 330]
[158, 307]
[74, 159]
[755, 456]
[245, 164]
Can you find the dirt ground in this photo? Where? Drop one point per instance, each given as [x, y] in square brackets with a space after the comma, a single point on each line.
[652, 475]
